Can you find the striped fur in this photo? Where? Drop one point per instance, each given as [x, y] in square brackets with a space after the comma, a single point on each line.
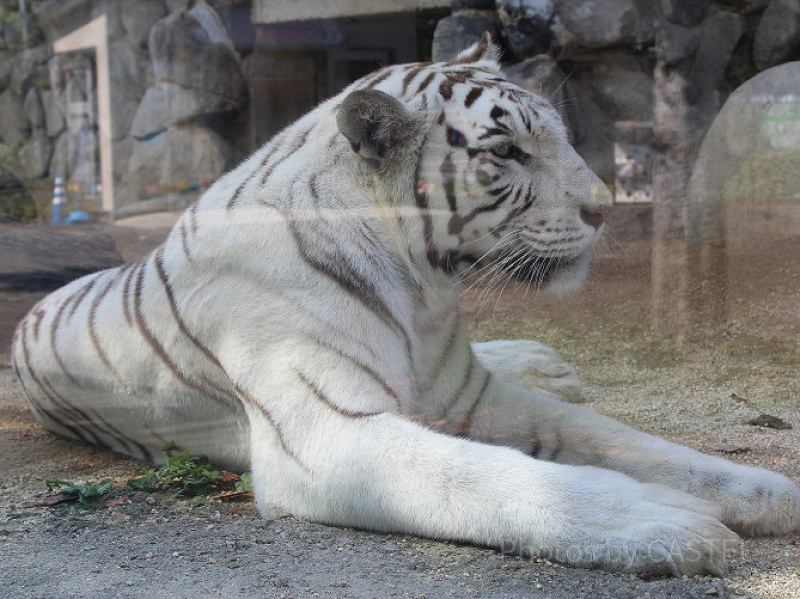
[301, 321]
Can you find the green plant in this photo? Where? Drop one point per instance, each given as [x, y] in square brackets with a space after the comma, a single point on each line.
[91, 494]
[191, 476]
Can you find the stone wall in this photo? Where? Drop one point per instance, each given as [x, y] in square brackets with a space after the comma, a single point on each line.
[182, 74]
[177, 91]
[595, 60]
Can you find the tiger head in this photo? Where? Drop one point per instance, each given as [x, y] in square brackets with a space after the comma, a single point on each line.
[487, 165]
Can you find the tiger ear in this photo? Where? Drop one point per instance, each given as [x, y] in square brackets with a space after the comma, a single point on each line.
[374, 123]
[484, 50]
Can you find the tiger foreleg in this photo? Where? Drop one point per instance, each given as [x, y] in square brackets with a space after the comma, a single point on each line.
[384, 473]
[754, 501]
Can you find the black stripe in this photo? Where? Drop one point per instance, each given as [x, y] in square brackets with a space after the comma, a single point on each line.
[410, 76]
[446, 89]
[237, 193]
[466, 380]
[162, 275]
[421, 200]
[185, 242]
[126, 290]
[93, 333]
[377, 77]
[444, 355]
[326, 400]
[457, 222]
[272, 422]
[295, 147]
[366, 369]
[35, 405]
[193, 216]
[157, 347]
[425, 82]
[81, 295]
[336, 267]
[473, 95]
[466, 426]
[54, 326]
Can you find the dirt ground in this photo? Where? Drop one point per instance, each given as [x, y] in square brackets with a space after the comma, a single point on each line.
[699, 392]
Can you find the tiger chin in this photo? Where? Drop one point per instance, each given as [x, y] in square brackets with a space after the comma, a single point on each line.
[301, 322]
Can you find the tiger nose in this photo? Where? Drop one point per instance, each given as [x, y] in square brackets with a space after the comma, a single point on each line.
[595, 217]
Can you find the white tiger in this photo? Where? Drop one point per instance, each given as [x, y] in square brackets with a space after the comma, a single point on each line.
[301, 321]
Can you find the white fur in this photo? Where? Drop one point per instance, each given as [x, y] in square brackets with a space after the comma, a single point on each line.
[340, 400]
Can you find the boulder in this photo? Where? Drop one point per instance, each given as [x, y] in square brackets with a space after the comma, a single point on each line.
[14, 126]
[128, 68]
[531, 365]
[34, 157]
[46, 258]
[526, 25]
[688, 13]
[15, 201]
[139, 18]
[192, 50]
[34, 110]
[30, 68]
[459, 31]
[595, 24]
[167, 104]
[542, 75]
[622, 90]
[745, 180]
[54, 117]
[177, 158]
[777, 37]
[744, 6]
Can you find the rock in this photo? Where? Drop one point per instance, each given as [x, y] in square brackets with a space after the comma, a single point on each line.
[745, 180]
[531, 365]
[191, 49]
[526, 25]
[115, 28]
[184, 156]
[54, 118]
[139, 18]
[777, 37]
[622, 90]
[34, 157]
[686, 12]
[769, 421]
[744, 6]
[14, 126]
[459, 31]
[128, 67]
[30, 68]
[59, 17]
[177, 5]
[457, 5]
[678, 44]
[45, 258]
[167, 104]
[719, 36]
[33, 109]
[542, 75]
[60, 160]
[15, 201]
[6, 67]
[595, 24]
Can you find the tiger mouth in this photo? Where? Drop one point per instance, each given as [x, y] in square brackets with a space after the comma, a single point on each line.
[543, 269]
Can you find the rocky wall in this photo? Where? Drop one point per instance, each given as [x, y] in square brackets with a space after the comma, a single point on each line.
[595, 60]
[177, 92]
[180, 94]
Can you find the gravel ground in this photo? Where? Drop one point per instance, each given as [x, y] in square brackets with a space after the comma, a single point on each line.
[150, 544]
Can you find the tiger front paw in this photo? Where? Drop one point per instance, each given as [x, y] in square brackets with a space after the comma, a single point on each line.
[754, 501]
